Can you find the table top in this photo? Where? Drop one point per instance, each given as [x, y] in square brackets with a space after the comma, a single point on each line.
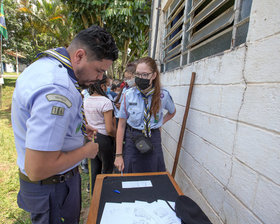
[97, 193]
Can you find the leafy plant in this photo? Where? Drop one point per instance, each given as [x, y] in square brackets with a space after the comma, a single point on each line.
[127, 21]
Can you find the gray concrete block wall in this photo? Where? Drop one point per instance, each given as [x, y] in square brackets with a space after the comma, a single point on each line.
[230, 156]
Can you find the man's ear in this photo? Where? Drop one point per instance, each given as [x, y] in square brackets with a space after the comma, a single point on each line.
[79, 55]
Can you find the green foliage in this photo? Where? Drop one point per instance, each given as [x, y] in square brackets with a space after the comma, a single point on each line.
[127, 21]
[34, 26]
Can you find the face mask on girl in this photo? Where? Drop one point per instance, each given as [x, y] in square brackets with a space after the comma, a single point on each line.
[108, 89]
[130, 82]
[142, 83]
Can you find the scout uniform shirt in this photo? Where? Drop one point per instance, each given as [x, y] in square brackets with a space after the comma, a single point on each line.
[132, 108]
[46, 110]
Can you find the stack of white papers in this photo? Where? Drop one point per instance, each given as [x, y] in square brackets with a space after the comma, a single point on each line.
[139, 212]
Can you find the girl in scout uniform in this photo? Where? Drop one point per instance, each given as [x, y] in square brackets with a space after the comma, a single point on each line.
[140, 117]
[128, 82]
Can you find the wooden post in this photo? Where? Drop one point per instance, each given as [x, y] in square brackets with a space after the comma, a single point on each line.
[183, 125]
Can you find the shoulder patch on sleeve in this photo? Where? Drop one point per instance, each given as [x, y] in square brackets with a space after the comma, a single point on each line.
[59, 98]
[164, 93]
[57, 111]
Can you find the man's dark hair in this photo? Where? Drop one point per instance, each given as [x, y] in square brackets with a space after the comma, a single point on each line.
[98, 43]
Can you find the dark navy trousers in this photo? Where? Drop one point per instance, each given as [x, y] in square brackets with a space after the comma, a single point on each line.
[52, 203]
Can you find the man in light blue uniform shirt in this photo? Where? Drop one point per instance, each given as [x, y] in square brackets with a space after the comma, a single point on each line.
[48, 124]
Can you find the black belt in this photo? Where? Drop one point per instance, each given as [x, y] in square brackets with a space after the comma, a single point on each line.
[53, 179]
[141, 131]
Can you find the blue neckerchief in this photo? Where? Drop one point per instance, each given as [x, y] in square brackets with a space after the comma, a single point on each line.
[62, 55]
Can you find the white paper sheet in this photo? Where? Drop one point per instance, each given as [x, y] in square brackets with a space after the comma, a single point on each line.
[139, 212]
[136, 184]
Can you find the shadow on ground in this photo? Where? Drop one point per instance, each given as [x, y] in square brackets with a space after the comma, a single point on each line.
[9, 82]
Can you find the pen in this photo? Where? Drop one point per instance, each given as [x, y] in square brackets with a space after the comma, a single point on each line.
[117, 191]
[121, 172]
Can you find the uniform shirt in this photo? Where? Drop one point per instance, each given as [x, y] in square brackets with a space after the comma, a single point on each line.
[125, 88]
[132, 108]
[112, 94]
[95, 106]
[85, 93]
[46, 110]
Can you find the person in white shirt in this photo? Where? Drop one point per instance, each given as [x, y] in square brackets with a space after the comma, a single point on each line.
[99, 114]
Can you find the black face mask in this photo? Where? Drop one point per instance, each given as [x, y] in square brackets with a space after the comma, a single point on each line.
[142, 83]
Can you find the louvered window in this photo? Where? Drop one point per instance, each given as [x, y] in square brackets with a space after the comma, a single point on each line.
[199, 28]
[174, 31]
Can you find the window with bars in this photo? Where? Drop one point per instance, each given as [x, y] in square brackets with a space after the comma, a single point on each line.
[199, 28]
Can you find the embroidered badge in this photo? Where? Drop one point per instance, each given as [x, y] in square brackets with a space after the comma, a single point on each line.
[78, 127]
[57, 111]
[156, 118]
[59, 98]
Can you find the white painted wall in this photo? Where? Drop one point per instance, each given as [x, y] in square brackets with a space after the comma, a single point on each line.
[10, 68]
[230, 157]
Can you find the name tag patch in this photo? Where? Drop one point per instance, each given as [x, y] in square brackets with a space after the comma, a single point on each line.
[57, 111]
[59, 98]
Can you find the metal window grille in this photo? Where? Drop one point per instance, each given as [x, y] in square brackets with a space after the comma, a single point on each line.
[199, 28]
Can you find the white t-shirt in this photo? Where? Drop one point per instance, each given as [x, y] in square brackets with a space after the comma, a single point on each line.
[94, 107]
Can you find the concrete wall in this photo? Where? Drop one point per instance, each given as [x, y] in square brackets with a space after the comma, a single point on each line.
[230, 156]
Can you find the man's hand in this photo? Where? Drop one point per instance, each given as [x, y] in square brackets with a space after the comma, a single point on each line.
[91, 132]
[91, 149]
[40, 165]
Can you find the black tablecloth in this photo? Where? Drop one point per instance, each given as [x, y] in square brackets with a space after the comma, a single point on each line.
[162, 189]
